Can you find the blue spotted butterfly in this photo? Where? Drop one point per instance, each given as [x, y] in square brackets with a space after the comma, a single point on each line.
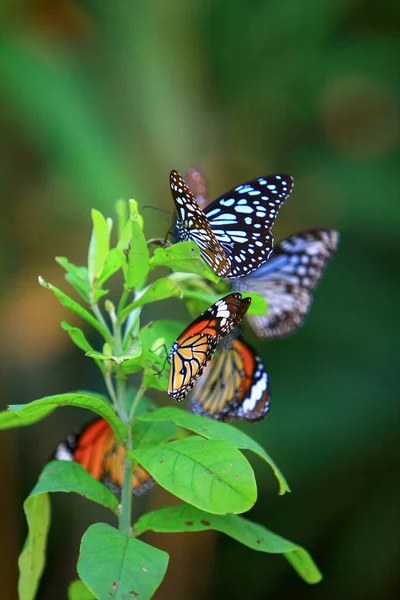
[287, 279]
[233, 232]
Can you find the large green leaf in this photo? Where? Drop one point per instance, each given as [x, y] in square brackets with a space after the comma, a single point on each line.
[158, 290]
[184, 257]
[114, 565]
[98, 247]
[216, 430]
[210, 474]
[114, 261]
[38, 409]
[184, 517]
[148, 434]
[78, 591]
[32, 559]
[75, 307]
[69, 476]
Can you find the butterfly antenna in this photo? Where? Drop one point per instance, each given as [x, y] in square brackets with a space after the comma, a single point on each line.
[168, 212]
[158, 372]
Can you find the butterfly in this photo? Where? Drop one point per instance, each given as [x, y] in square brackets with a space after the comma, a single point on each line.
[233, 232]
[196, 345]
[234, 385]
[96, 449]
[286, 280]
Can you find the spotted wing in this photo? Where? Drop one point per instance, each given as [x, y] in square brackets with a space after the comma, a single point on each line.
[196, 345]
[241, 220]
[197, 183]
[234, 385]
[286, 280]
[97, 450]
[193, 225]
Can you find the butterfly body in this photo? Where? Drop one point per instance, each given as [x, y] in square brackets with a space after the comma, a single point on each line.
[196, 345]
[287, 279]
[233, 232]
[234, 385]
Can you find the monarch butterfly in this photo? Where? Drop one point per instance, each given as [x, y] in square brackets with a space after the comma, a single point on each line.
[233, 233]
[286, 280]
[234, 385]
[194, 348]
[96, 449]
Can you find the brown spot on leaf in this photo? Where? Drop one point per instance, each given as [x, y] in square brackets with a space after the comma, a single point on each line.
[188, 522]
[115, 585]
[133, 593]
[204, 522]
[260, 541]
[161, 461]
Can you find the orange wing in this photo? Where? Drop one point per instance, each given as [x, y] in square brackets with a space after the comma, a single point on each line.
[194, 348]
[97, 450]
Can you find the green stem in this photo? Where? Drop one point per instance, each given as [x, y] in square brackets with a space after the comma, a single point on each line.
[125, 517]
[97, 313]
[110, 387]
[123, 301]
[136, 401]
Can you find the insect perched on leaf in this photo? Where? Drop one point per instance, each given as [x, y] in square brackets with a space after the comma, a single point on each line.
[96, 449]
[234, 385]
[233, 232]
[196, 345]
[286, 280]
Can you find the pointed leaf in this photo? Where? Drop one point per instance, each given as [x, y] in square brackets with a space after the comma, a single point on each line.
[79, 338]
[216, 430]
[38, 409]
[99, 246]
[75, 307]
[69, 476]
[114, 261]
[212, 475]
[114, 565]
[184, 257]
[183, 517]
[32, 559]
[138, 257]
[78, 277]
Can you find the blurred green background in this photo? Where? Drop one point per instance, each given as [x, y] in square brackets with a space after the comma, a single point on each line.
[99, 100]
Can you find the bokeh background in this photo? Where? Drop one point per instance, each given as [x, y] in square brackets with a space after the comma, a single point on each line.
[98, 101]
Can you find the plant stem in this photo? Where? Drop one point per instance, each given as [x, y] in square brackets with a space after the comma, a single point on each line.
[123, 300]
[125, 516]
[136, 401]
[98, 314]
[110, 387]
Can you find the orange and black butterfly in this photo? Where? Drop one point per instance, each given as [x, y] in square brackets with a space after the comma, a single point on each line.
[234, 385]
[196, 345]
[96, 449]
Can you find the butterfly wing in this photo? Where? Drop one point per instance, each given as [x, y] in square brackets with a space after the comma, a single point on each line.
[242, 218]
[234, 385]
[286, 280]
[196, 345]
[193, 225]
[197, 183]
[97, 450]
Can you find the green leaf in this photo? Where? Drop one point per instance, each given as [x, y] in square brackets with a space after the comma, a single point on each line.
[99, 246]
[184, 257]
[183, 517]
[114, 565]
[216, 430]
[210, 474]
[75, 307]
[152, 434]
[69, 476]
[121, 208]
[78, 277]
[11, 420]
[258, 304]
[78, 591]
[159, 290]
[79, 339]
[32, 559]
[138, 257]
[157, 339]
[38, 409]
[114, 261]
